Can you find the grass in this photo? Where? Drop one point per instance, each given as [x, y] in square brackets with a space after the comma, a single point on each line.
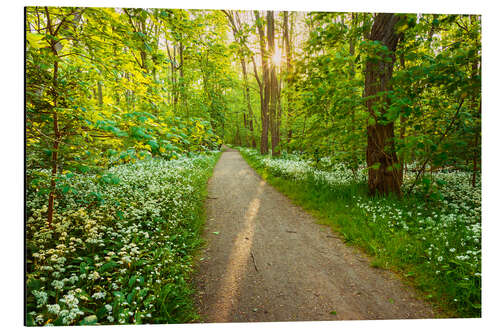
[195, 244]
[452, 286]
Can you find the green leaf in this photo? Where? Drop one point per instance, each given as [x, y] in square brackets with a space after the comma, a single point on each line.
[141, 281]
[89, 320]
[107, 266]
[29, 320]
[118, 294]
[131, 281]
[131, 296]
[36, 40]
[65, 188]
[34, 284]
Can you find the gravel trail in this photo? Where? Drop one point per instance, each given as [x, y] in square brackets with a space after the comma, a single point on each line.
[267, 260]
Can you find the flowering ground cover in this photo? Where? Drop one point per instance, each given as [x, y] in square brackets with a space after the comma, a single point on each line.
[121, 247]
[432, 237]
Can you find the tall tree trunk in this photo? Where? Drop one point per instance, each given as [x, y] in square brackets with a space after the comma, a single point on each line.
[181, 79]
[259, 83]
[99, 93]
[288, 32]
[55, 124]
[264, 107]
[352, 74]
[381, 158]
[172, 70]
[273, 82]
[402, 124]
[55, 147]
[174, 80]
[476, 105]
[249, 119]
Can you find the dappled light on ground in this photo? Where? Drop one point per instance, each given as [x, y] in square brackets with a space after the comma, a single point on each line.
[239, 258]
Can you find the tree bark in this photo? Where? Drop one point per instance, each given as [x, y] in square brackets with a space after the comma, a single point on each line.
[264, 107]
[288, 32]
[381, 158]
[55, 148]
[402, 124]
[352, 74]
[249, 119]
[181, 79]
[259, 83]
[55, 124]
[99, 93]
[476, 105]
[273, 89]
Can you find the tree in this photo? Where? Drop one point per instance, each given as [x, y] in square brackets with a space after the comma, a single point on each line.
[288, 34]
[80, 61]
[241, 36]
[381, 157]
[273, 86]
[264, 85]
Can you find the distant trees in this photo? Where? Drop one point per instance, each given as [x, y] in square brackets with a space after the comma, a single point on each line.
[382, 91]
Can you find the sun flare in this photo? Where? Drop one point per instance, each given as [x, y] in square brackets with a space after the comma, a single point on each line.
[276, 57]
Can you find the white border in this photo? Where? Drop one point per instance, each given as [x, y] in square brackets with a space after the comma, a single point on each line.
[12, 161]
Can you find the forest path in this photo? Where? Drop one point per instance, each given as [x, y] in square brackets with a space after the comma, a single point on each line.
[267, 260]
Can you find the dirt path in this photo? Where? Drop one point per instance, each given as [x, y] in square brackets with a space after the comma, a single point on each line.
[267, 260]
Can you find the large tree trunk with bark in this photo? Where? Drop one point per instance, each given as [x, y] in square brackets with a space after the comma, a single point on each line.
[381, 158]
[476, 105]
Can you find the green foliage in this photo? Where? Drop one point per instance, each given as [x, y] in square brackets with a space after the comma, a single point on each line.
[108, 88]
[126, 258]
[111, 90]
[112, 94]
[434, 102]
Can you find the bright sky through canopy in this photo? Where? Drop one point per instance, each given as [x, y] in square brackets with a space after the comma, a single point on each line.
[276, 57]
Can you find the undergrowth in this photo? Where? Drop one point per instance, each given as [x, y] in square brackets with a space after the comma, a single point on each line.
[433, 244]
[119, 252]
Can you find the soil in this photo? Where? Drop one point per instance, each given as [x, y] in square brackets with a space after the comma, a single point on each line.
[267, 260]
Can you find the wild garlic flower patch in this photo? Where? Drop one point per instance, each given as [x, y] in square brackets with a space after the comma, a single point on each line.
[295, 168]
[119, 253]
[440, 235]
